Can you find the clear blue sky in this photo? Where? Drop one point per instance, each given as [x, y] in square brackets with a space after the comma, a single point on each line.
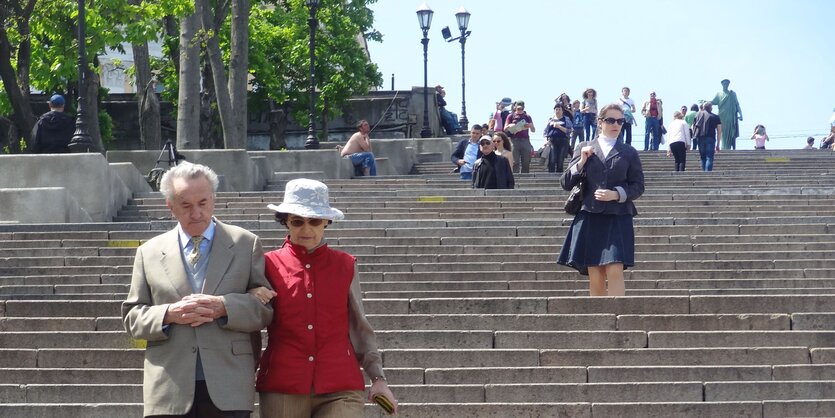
[779, 56]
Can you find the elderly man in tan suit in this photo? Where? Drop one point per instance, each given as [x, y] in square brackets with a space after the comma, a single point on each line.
[188, 298]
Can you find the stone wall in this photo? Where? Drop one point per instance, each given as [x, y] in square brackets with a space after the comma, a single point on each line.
[392, 114]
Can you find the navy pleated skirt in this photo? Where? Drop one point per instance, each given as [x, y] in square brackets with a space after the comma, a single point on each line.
[596, 239]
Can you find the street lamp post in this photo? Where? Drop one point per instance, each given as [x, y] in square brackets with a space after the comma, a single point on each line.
[312, 142]
[424, 14]
[463, 18]
[81, 141]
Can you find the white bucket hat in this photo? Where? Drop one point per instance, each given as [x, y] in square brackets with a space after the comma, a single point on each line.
[307, 198]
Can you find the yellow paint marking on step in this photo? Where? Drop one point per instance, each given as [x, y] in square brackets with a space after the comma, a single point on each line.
[432, 199]
[124, 243]
[777, 159]
[136, 343]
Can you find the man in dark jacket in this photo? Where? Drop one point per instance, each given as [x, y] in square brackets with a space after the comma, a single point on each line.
[53, 131]
[707, 130]
[491, 171]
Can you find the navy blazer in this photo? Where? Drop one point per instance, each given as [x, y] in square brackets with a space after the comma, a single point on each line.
[620, 170]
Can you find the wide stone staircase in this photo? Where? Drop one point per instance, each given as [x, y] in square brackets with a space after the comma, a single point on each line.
[729, 311]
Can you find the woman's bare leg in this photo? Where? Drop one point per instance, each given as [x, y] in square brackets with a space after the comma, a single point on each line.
[597, 281]
[614, 276]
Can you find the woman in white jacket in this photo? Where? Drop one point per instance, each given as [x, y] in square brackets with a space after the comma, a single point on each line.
[678, 140]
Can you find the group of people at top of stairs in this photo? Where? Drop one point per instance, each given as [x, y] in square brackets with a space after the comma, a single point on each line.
[697, 128]
[201, 293]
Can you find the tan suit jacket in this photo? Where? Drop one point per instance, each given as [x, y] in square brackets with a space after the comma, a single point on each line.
[236, 264]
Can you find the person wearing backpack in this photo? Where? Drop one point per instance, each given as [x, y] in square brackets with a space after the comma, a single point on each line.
[53, 131]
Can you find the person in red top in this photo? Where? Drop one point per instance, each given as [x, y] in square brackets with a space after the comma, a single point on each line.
[653, 112]
[319, 336]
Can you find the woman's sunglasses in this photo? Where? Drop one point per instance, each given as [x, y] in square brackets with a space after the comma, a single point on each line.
[299, 222]
[612, 121]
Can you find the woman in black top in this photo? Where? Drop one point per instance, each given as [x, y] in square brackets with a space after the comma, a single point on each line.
[601, 240]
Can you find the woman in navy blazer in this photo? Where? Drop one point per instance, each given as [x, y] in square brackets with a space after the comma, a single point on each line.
[601, 240]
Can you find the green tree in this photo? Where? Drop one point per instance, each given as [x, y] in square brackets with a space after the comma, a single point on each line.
[38, 43]
[279, 57]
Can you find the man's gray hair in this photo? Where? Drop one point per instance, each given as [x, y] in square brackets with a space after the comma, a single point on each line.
[186, 170]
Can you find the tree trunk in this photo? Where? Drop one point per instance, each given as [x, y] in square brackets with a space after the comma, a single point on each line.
[188, 101]
[224, 103]
[16, 84]
[150, 130]
[92, 84]
[211, 133]
[278, 126]
[325, 109]
[169, 23]
[239, 70]
[8, 133]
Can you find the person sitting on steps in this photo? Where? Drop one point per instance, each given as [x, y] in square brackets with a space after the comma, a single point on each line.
[358, 150]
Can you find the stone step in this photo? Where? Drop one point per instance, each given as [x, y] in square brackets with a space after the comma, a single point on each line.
[684, 339]
[69, 376]
[708, 373]
[66, 339]
[493, 321]
[70, 409]
[63, 308]
[669, 356]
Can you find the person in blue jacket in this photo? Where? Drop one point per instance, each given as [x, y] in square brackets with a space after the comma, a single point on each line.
[601, 239]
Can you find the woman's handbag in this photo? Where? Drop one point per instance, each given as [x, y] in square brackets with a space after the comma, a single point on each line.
[575, 197]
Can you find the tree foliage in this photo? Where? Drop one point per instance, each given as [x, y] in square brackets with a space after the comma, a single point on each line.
[278, 46]
[279, 58]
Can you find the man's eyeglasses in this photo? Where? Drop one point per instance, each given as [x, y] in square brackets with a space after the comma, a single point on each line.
[612, 121]
[299, 222]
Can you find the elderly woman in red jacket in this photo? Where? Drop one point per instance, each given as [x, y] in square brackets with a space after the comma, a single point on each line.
[319, 336]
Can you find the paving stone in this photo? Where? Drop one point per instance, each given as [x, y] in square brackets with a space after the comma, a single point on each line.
[798, 408]
[813, 321]
[60, 376]
[675, 356]
[761, 304]
[620, 305]
[751, 391]
[46, 324]
[570, 339]
[479, 306]
[65, 339]
[654, 373]
[804, 372]
[435, 339]
[18, 357]
[58, 308]
[494, 322]
[460, 358]
[823, 355]
[760, 338]
[94, 410]
[679, 409]
[105, 358]
[486, 410]
[776, 322]
[12, 394]
[590, 392]
[485, 375]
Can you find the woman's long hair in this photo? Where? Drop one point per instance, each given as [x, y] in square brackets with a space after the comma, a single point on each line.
[505, 140]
